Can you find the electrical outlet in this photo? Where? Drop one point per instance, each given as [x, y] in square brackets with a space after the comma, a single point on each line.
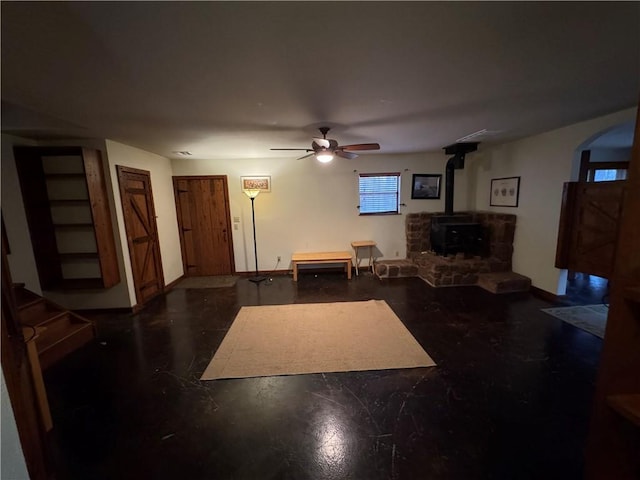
[279, 258]
[397, 253]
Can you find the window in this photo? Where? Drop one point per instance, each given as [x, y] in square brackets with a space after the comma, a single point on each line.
[379, 193]
[601, 171]
[609, 175]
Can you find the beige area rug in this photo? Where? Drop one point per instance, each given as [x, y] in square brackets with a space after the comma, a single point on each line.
[315, 338]
[218, 281]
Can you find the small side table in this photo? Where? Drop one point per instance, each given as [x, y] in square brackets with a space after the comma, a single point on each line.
[363, 243]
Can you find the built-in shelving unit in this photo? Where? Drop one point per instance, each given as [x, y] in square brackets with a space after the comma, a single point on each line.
[66, 202]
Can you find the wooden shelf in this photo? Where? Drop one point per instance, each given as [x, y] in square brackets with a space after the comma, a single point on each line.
[626, 405]
[72, 215]
[632, 293]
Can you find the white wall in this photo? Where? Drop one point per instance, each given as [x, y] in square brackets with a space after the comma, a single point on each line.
[312, 206]
[544, 162]
[164, 204]
[610, 154]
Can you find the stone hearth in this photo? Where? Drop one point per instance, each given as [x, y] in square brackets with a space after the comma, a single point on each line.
[396, 268]
[440, 271]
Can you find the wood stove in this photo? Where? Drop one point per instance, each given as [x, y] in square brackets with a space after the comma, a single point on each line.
[451, 234]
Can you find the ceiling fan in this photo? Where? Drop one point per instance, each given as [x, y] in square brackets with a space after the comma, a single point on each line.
[325, 148]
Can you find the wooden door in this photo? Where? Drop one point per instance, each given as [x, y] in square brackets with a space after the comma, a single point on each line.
[142, 232]
[589, 224]
[205, 225]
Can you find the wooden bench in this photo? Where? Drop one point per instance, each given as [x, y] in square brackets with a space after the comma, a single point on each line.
[320, 257]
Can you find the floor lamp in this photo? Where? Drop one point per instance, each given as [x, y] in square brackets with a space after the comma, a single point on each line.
[252, 194]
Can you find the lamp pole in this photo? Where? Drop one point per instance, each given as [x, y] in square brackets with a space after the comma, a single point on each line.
[252, 194]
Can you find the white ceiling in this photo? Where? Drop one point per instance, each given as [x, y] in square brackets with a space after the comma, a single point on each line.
[234, 79]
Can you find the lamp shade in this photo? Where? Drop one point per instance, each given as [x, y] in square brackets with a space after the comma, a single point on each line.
[251, 193]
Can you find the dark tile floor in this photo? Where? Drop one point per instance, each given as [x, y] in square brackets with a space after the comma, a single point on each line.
[509, 399]
[586, 289]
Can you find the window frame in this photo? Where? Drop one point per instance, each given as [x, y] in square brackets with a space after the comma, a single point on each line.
[398, 192]
[588, 168]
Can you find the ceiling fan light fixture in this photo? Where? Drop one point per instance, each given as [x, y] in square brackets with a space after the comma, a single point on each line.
[324, 157]
[324, 149]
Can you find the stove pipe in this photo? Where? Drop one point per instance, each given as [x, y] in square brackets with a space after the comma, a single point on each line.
[458, 150]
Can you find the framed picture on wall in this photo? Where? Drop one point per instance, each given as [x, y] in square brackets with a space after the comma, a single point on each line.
[262, 183]
[426, 186]
[505, 192]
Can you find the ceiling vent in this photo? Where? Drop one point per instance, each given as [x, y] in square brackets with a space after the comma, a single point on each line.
[183, 153]
[479, 134]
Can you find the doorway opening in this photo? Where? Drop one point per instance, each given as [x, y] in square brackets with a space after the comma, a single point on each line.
[590, 214]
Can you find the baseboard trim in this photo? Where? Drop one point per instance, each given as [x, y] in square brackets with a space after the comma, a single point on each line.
[169, 286]
[548, 296]
[268, 273]
[137, 307]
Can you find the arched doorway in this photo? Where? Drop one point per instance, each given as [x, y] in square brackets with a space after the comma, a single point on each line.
[586, 243]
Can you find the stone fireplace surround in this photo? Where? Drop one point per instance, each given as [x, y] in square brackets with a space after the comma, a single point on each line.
[455, 270]
[491, 270]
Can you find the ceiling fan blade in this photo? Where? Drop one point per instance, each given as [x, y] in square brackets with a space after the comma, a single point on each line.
[321, 142]
[303, 149]
[306, 156]
[348, 155]
[361, 146]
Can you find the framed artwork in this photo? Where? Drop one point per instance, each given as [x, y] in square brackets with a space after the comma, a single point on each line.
[505, 192]
[426, 186]
[262, 183]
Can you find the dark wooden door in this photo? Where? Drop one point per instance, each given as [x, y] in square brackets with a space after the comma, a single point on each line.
[142, 232]
[589, 224]
[205, 225]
